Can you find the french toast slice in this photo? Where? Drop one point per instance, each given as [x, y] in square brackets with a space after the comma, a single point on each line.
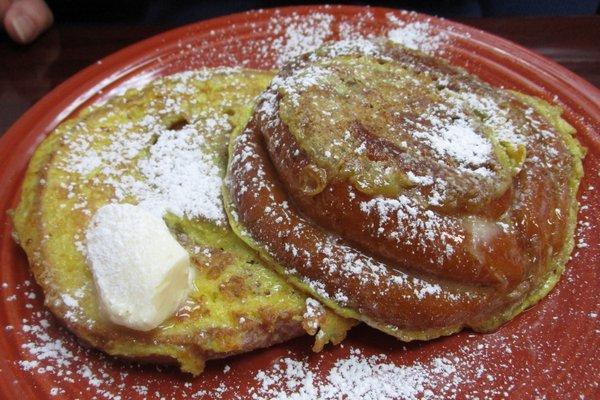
[137, 148]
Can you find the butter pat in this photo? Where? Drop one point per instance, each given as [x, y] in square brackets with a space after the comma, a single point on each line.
[142, 274]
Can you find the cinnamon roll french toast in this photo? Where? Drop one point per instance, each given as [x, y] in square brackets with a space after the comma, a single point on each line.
[405, 192]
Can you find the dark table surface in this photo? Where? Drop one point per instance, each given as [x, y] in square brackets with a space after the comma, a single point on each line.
[28, 73]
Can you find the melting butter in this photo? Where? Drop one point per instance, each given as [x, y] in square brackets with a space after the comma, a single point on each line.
[142, 274]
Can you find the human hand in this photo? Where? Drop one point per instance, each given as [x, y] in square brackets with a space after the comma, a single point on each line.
[24, 20]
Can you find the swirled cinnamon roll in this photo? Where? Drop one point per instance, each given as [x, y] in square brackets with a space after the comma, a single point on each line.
[405, 192]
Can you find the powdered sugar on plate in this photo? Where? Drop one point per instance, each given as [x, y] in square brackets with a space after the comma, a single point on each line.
[300, 34]
[286, 37]
[354, 377]
[418, 35]
[304, 33]
[381, 368]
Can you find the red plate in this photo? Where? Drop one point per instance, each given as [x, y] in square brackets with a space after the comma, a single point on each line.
[552, 350]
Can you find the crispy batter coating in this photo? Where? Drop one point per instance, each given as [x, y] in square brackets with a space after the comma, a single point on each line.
[405, 192]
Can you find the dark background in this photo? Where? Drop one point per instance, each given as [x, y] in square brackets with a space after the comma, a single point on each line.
[174, 13]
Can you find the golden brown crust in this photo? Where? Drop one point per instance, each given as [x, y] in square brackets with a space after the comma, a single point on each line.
[392, 252]
[375, 293]
[338, 209]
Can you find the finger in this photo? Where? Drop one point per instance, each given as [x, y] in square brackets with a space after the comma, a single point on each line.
[4, 4]
[26, 19]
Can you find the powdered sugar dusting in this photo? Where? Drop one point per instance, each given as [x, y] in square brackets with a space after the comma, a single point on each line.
[179, 177]
[300, 34]
[353, 377]
[314, 310]
[417, 35]
[297, 34]
[489, 362]
[425, 232]
[164, 169]
[460, 141]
